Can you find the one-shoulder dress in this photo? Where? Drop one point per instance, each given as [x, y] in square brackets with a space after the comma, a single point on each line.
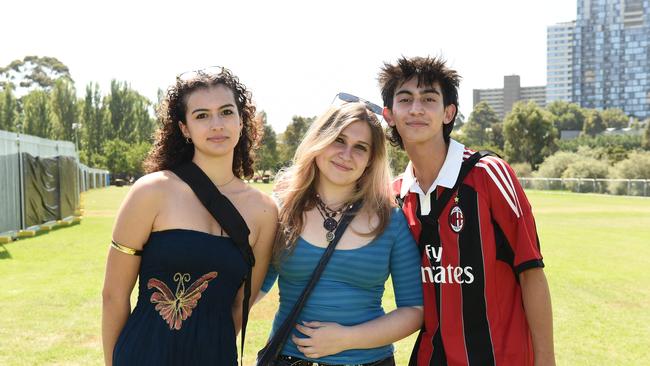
[188, 281]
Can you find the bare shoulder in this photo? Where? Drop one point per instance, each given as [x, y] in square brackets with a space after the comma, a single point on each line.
[139, 209]
[261, 213]
[152, 190]
[262, 204]
[158, 183]
[152, 181]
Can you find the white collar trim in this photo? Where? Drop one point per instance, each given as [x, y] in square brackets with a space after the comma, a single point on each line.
[446, 177]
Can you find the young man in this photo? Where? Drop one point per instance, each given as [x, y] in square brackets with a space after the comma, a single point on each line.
[486, 299]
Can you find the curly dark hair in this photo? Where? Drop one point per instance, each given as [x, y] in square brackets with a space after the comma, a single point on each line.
[170, 148]
[428, 70]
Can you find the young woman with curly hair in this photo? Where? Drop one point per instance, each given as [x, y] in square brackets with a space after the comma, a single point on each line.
[341, 160]
[190, 271]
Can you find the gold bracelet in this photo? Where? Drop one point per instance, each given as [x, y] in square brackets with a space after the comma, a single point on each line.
[126, 250]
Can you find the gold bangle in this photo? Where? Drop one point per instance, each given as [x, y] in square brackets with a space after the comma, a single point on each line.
[126, 250]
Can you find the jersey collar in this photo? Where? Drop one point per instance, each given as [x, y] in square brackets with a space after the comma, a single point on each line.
[446, 177]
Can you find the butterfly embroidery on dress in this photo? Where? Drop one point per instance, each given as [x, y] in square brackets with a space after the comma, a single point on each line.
[174, 308]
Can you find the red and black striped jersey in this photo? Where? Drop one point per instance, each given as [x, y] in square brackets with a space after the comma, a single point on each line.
[472, 256]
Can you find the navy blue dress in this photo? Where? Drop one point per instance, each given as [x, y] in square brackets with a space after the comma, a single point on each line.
[187, 284]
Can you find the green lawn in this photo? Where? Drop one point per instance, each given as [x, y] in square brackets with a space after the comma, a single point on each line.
[596, 251]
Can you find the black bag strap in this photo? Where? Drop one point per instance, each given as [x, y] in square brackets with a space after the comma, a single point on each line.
[446, 195]
[269, 354]
[432, 218]
[231, 222]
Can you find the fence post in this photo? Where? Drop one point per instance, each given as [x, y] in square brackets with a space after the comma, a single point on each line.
[21, 188]
[579, 184]
[629, 186]
[77, 181]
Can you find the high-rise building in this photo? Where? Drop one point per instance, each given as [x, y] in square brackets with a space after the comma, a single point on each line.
[501, 100]
[559, 61]
[611, 57]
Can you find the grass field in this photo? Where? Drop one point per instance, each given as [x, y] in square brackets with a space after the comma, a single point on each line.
[596, 252]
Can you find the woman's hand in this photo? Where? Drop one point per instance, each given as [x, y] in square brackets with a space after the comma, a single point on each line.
[323, 339]
[327, 338]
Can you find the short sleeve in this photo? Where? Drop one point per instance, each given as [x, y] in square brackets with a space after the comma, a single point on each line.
[512, 212]
[405, 265]
[269, 279]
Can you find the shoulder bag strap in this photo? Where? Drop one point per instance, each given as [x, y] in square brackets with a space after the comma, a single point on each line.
[270, 352]
[446, 195]
[231, 222]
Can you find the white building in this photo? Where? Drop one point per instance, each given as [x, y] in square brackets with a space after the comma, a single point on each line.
[559, 61]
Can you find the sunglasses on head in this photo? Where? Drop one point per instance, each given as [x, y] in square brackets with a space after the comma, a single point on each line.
[193, 74]
[374, 108]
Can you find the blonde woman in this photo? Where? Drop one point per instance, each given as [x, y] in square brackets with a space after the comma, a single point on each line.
[343, 159]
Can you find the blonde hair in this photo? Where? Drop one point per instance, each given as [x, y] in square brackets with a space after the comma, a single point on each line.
[296, 185]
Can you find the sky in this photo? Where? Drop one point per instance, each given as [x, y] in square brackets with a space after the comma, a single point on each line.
[294, 56]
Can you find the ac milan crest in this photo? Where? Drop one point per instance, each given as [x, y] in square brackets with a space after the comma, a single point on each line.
[456, 219]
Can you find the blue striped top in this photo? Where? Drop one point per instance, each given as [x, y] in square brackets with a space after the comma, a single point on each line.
[350, 289]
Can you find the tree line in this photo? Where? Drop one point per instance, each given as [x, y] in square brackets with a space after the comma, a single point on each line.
[114, 130]
[111, 131]
[529, 138]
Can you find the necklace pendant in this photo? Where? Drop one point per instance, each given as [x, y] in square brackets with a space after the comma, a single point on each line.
[330, 224]
[329, 236]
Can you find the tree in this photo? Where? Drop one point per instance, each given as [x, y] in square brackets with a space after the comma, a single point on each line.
[128, 117]
[268, 152]
[292, 137]
[144, 123]
[135, 155]
[593, 123]
[495, 136]
[475, 131]
[625, 142]
[37, 119]
[529, 134]
[397, 158]
[473, 135]
[92, 119]
[63, 101]
[459, 121]
[8, 109]
[614, 118]
[117, 113]
[115, 153]
[34, 72]
[566, 116]
[646, 135]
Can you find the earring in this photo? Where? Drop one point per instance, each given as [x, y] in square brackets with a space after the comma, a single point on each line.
[188, 140]
[241, 132]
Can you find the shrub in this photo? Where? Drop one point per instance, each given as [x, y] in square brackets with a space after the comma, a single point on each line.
[636, 166]
[555, 165]
[522, 169]
[627, 142]
[585, 167]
